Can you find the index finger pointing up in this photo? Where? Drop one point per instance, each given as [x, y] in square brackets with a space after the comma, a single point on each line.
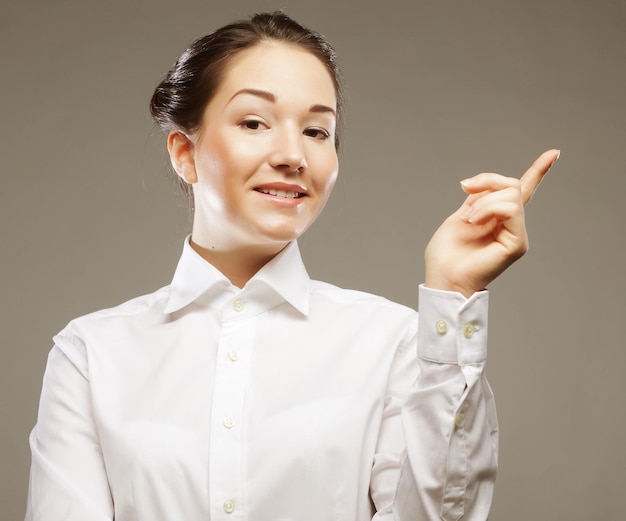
[533, 176]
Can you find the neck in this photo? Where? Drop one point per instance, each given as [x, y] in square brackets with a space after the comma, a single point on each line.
[237, 264]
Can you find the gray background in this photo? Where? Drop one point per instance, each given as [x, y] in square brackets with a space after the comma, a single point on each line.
[438, 91]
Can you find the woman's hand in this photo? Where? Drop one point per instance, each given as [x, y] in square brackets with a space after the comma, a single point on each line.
[487, 233]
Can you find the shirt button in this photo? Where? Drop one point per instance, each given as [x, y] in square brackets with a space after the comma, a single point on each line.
[229, 506]
[228, 422]
[233, 356]
[238, 305]
[458, 420]
[441, 326]
[468, 330]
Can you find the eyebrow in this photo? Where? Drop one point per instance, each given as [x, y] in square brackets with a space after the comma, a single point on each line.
[270, 97]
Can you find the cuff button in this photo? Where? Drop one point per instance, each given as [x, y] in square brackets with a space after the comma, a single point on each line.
[441, 326]
[468, 330]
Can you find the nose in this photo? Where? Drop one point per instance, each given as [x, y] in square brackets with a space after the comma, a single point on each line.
[288, 151]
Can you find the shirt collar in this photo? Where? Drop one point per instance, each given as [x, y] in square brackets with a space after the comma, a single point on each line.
[285, 275]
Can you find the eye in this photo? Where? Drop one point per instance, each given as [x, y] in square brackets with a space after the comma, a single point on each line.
[317, 133]
[253, 124]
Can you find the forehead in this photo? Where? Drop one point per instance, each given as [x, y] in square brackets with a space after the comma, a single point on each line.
[286, 70]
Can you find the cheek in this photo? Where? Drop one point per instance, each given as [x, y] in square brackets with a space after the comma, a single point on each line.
[234, 142]
[327, 181]
[220, 159]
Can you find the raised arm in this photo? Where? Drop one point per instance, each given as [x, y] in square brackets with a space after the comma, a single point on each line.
[449, 419]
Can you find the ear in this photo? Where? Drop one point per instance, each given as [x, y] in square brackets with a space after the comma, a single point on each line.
[180, 148]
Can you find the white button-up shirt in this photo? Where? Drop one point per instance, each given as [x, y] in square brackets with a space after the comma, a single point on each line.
[289, 399]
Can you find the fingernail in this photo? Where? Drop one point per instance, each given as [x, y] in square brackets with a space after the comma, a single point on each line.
[468, 182]
[556, 159]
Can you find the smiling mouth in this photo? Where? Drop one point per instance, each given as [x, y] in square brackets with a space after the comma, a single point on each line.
[281, 193]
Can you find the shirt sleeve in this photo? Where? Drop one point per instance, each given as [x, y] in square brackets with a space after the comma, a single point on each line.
[448, 418]
[67, 477]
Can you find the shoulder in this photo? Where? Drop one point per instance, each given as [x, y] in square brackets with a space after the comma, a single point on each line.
[352, 297]
[146, 309]
[361, 308]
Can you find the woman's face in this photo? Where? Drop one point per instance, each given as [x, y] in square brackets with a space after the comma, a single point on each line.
[264, 162]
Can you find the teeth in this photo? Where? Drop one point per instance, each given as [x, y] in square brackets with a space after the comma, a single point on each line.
[281, 193]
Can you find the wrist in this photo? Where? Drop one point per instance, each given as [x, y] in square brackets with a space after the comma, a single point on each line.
[443, 284]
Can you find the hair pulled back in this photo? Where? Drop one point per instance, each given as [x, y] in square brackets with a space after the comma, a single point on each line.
[179, 101]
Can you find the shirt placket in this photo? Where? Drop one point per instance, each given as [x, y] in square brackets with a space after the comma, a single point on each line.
[227, 437]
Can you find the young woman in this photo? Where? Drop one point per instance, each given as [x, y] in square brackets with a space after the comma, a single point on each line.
[245, 390]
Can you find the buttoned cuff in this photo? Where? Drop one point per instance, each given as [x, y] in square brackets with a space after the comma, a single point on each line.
[452, 328]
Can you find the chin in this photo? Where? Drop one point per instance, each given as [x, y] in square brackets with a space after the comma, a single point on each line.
[281, 234]
[281, 237]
